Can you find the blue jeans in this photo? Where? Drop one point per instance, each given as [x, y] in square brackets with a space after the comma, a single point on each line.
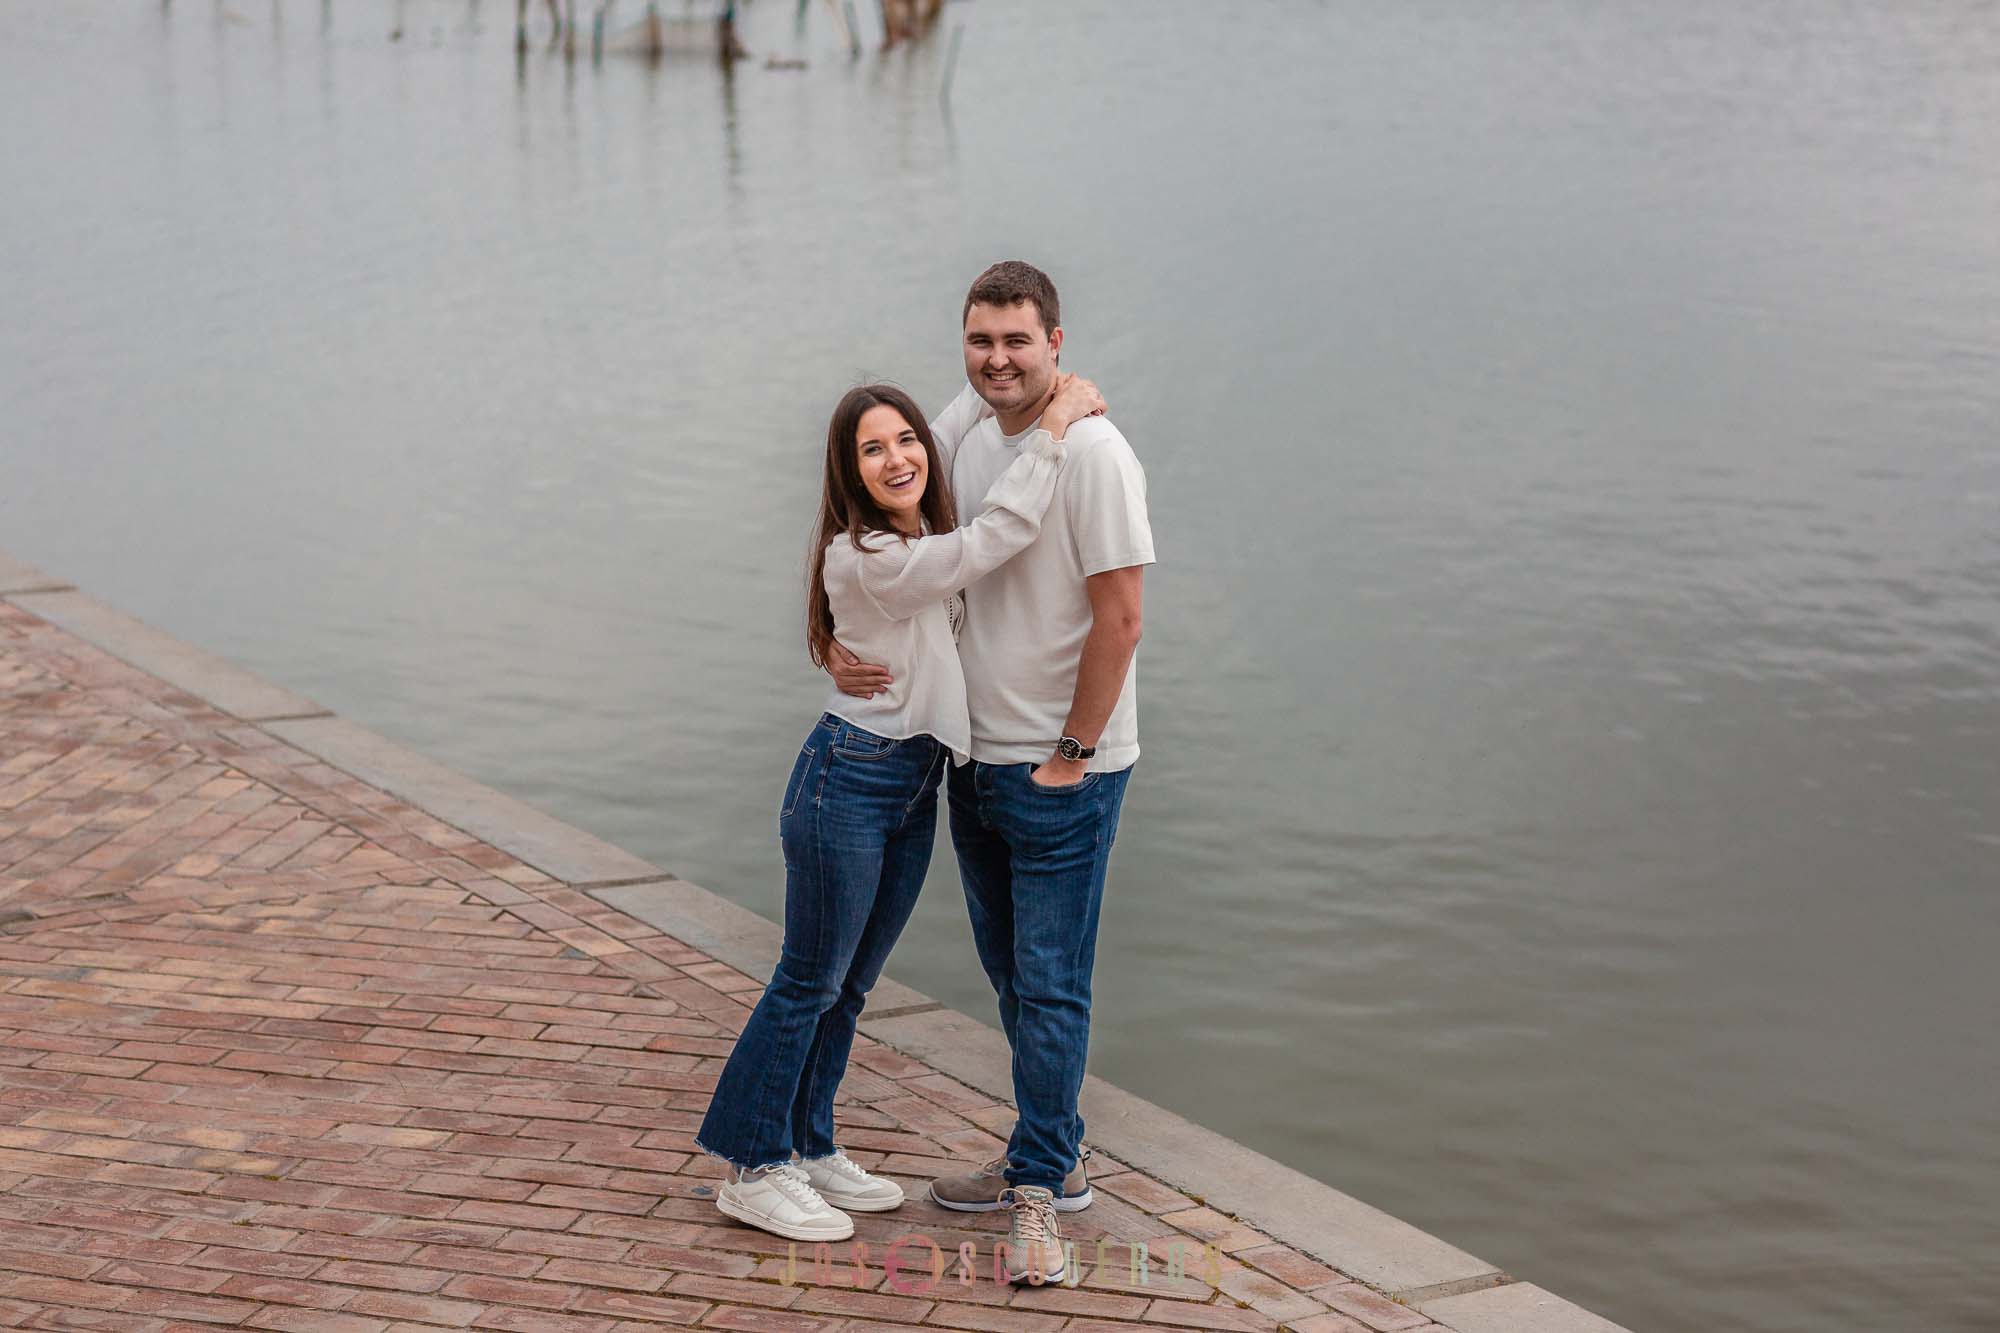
[859, 816]
[1032, 860]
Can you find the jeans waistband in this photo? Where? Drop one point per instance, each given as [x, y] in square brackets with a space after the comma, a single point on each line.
[841, 732]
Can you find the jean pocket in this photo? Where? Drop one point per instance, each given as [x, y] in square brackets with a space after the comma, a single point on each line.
[854, 743]
[1085, 783]
[797, 783]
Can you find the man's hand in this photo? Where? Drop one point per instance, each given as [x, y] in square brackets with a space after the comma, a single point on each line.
[851, 675]
[1060, 772]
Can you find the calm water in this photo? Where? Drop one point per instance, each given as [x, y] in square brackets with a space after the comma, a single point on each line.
[1571, 809]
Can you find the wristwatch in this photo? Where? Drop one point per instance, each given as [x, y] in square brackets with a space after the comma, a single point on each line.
[1072, 749]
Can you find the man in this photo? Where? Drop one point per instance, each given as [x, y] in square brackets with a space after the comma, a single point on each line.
[1047, 646]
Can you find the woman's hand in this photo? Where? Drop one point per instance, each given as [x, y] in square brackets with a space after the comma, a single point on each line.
[1074, 399]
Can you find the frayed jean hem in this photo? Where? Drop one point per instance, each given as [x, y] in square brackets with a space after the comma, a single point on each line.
[741, 1166]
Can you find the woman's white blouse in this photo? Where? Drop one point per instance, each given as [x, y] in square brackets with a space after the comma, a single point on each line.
[893, 601]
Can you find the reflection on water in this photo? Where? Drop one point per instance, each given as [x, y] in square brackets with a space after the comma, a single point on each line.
[1569, 813]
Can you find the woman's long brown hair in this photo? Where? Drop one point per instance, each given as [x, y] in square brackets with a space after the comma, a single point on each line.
[846, 508]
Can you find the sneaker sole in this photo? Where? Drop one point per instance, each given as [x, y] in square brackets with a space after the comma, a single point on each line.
[861, 1207]
[748, 1218]
[1068, 1203]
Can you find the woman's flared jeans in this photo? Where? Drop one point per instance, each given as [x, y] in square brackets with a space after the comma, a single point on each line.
[859, 816]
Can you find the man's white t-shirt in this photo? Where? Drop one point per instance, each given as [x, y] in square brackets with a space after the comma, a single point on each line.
[1025, 622]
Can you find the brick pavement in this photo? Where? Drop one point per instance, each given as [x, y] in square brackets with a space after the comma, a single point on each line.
[279, 1051]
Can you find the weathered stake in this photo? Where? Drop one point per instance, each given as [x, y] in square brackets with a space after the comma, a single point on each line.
[951, 66]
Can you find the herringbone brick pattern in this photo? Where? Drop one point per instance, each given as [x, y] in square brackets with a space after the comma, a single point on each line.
[278, 1051]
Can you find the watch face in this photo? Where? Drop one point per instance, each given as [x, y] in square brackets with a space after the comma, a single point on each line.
[1070, 748]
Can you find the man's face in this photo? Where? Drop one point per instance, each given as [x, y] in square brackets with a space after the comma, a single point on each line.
[1009, 360]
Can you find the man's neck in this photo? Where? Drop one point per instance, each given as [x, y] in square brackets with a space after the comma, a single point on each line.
[1013, 423]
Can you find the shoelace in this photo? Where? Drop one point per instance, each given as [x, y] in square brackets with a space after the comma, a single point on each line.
[792, 1183]
[846, 1166]
[1034, 1219]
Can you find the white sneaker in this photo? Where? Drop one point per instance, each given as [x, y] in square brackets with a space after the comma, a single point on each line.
[1034, 1244]
[845, 1185]
[783, 1202]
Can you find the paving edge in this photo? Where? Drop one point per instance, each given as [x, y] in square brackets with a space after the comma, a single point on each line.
[1513, 1308]
[529, 835]
[735, 935]
[157, 653]
[20, 576]
[1385, 1253]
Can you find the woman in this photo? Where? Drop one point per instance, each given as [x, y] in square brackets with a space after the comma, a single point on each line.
[861, 807]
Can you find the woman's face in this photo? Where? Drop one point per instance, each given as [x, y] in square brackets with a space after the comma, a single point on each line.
[894, 467]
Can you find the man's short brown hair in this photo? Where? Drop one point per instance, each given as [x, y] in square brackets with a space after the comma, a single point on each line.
[1010, 282]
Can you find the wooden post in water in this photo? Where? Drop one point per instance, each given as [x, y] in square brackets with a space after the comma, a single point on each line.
[903, 19]
[725, 35]
[853, 29]
[950, 66]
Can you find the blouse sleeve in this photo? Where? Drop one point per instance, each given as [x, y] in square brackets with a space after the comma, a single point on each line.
[902, 577]
[956, 422]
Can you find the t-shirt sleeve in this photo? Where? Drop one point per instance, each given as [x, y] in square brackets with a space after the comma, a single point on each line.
[956, 422]
[1107, 500]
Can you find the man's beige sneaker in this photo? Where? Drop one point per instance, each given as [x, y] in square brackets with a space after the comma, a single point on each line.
[1034, 1243]
[982, 1191]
